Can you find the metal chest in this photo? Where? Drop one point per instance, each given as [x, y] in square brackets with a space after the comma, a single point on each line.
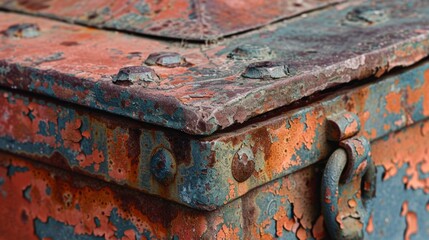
[242, 119]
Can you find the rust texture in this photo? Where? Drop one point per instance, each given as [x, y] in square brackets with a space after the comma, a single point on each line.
[211, 171]
[183, 19]
[45, 202]
[120, 136]
[309, 54]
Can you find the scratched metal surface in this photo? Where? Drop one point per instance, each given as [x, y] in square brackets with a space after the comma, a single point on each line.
[323, 49]
[44, 202]
[118, 150]
[183, 19]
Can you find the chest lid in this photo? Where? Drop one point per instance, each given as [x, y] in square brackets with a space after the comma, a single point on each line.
[200, 89]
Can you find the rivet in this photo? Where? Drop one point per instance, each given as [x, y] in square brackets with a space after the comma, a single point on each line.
[163, 166]
[129, 75]
[23, 30]
[243, 164]
[366, 15]
[262, 70]
[251, 51]
[166, 59]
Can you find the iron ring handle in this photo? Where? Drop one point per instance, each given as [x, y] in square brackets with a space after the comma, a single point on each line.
[331, 184]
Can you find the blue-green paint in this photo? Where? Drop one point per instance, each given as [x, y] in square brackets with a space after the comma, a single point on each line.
[54, 229]
[27, 193]
[12, 169]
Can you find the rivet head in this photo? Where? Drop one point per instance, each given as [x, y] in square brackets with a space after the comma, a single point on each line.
[243, 164]
[366, 15]
[23, 30]
[163, 166]
[129, 75]
[166, 59]
[268, 69]
[251, 51]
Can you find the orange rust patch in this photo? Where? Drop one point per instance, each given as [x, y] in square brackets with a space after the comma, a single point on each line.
[400, 150]
[60, 204]
[117, 152]
[414, 96]
[352, 203]
[361, 167]
[319, 229]
[72, 135]
[393, 102]
[95, 158]
[360, 149]
[228, 233]
[301, 234]
[351, 129]
[86, 134]
[370, 226]
[281, 220]
[411, 219]
[328, 195]
[412, 225]
[291, 139]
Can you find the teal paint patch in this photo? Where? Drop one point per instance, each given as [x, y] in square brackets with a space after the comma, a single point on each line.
[386, 207]
[97, 222]
[202, 187]
[3, 193]
[12, 170]
[43, 129]
[54, 229]
[269, 204]
[27, 193]
[123, 225]
[48, 190]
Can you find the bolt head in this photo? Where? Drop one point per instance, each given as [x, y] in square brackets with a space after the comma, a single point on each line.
[163, 166]
[366, 15]
[269, 70]
[166, 59]
[251, 51]
[23, 30]
[135, 74]
[243, 164]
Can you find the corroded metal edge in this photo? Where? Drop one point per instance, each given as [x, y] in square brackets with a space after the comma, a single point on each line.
[121, 151]
[213, 94]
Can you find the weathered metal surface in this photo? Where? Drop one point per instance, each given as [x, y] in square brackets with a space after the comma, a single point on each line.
[182, 19]
[210, 171]
[40, 201]
[347, 42]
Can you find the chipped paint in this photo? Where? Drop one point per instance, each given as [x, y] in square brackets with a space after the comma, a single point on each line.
[287, 207]
[259, 179]
[119, 150]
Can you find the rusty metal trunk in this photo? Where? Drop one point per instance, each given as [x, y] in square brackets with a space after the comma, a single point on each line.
[191, 119]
